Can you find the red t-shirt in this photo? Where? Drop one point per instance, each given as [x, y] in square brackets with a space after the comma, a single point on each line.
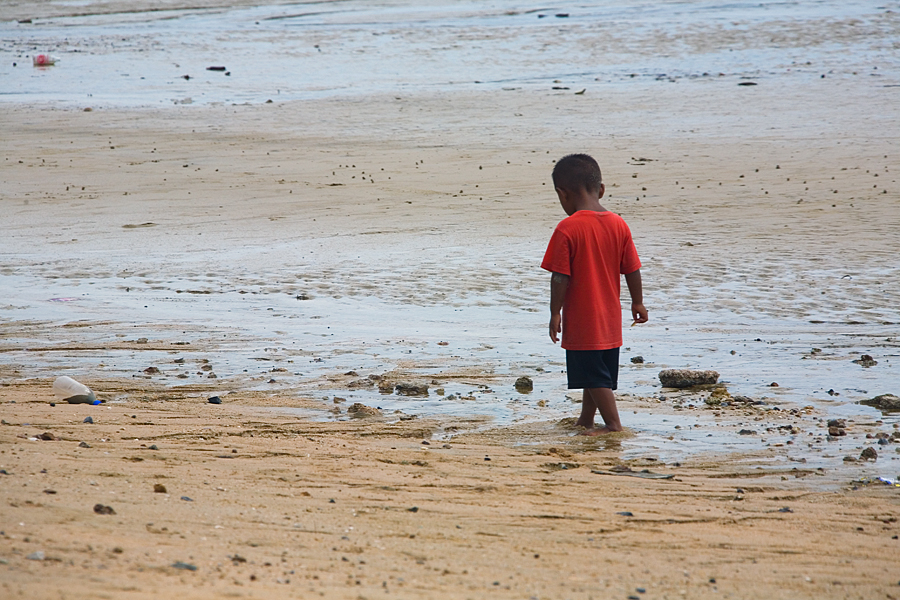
[593, 249]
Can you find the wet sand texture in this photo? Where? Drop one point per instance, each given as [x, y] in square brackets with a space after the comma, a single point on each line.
[298, 260]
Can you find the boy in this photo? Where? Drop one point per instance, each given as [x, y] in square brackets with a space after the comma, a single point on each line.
[587, 253]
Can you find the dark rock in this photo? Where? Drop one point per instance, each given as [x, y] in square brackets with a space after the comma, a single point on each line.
[746, 432]
[884, 402]
[836, 431]
[869, 454]
[184, 566]
[414, 509]
[411, 389]
[151, 371]
[524, 385]
[837, 423]
[153, 447]
[215, 400]
[47, 436]
[88, 420]
[84, 445]
[638, 360]
[684, 378]
[186, 499]
[866, 361]
[785, 510]
[216, 69]
[159, 488]
[103, 510]
[625, 513]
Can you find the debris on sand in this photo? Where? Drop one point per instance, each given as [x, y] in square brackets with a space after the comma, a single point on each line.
[869, 454]
[866, 361]
[411, 389]
[524, 385]
[360, 410]
[684, 378]
[104, 510]
[885, 402]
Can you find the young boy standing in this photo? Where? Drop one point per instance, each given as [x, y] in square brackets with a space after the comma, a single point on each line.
[587, 254]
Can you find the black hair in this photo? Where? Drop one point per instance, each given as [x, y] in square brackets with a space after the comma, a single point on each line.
[576, 172]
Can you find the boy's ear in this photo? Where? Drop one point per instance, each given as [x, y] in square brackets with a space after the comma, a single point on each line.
[561, 194]
[602, 191]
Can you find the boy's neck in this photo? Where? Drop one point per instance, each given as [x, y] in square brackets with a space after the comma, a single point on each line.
[574, 201]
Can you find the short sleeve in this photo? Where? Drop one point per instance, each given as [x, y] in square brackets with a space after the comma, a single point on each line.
[630, 261]
[557, 258]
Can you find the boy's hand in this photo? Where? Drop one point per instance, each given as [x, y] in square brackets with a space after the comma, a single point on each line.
[555, 327]
[639, 313]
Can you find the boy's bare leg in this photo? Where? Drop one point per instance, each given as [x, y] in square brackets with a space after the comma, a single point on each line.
[605, 401]
[588, 410]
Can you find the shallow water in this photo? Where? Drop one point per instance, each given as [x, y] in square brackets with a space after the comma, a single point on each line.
[353, 49]
[484, 297]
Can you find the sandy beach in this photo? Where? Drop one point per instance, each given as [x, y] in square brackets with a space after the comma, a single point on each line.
[300, 258]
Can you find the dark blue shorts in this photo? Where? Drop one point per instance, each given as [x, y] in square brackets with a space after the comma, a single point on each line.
[592, 368]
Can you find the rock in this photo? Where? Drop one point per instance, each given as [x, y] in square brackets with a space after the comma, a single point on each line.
[746, 432]
[151, 371]
[411, 389]
[153, 447]
[866, 361]
[187, 499]
[837, 423]
[184, 566]
[638, 360]
[88, 420]
[836, 431]
[39, 555]
[159, 488]
[885, 402]
[360, 410]
[524, 385]
[47, 436]
[684, 378]
[84, 445]
[103, 510]
[869, 454]
[215, 400]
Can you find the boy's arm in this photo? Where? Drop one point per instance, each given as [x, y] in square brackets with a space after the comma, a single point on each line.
[636, 289]
[559, 284]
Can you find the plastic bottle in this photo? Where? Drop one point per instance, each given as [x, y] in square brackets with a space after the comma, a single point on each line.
[69, 390]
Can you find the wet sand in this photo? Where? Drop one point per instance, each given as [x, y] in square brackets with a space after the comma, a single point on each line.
[295, 257]
[257, 505]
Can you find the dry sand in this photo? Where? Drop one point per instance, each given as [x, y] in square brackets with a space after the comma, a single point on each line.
[753, 202]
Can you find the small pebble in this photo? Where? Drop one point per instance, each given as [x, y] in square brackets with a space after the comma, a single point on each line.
[215, 400]
[153, 447]
[625, 513]
[186, 499]
[184, 566]
[88, 420]
[104, 510]
[84, 445]
[159, 488]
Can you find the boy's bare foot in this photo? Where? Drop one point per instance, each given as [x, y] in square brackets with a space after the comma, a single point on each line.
[580, 423]
[594, 431]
